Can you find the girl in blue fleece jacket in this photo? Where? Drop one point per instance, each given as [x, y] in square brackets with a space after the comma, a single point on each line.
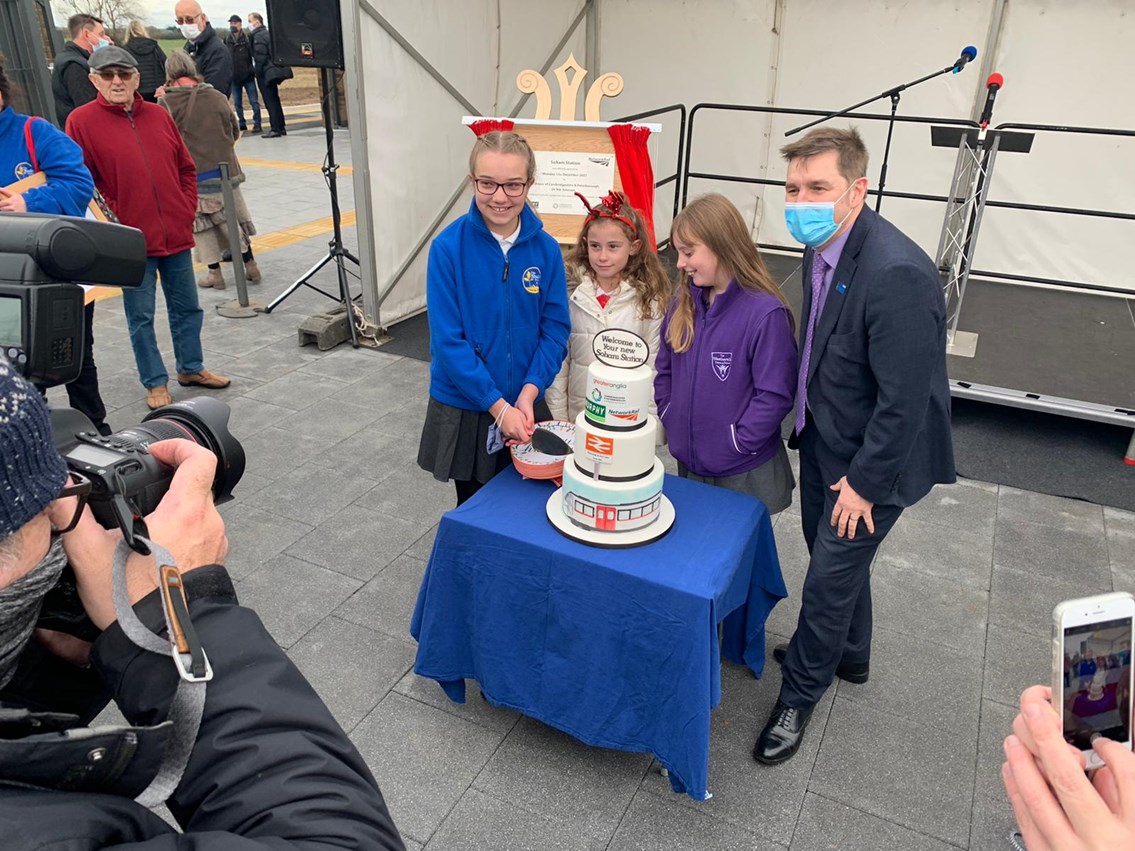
[726, 366]
[498, 317]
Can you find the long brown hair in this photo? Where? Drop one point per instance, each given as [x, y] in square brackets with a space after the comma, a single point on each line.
[714, 222]
[643, 272]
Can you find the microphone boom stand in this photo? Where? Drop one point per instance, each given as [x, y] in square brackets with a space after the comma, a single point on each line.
[894, 94]
[336, 252]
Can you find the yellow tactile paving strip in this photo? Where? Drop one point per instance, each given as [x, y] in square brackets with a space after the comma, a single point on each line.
[289, 166]
[262, 243]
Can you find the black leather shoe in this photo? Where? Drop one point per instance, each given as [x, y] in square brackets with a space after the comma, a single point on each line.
[782, 735]
[856, 674]
[271, 134]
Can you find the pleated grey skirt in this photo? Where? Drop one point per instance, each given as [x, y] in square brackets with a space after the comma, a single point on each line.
[453, 443]
[771, 483]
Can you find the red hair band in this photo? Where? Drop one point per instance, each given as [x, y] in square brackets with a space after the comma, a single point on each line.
[613, 204]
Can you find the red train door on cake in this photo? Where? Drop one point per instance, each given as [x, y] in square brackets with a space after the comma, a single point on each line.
[604, 518]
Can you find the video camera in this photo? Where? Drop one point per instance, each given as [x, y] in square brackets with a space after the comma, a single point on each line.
[41, 334]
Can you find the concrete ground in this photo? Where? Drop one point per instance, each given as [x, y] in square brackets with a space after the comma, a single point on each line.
[332, 526]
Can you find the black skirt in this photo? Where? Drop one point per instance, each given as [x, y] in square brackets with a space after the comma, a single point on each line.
[453, 443]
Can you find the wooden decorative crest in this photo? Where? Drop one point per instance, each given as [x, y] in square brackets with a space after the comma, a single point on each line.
[606, 86]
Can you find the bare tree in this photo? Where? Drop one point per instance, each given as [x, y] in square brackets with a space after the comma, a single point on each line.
[115, 14]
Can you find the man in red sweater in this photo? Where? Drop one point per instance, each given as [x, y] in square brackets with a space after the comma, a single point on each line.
[142, 168]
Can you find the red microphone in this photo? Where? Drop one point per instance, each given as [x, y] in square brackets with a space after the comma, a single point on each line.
[995, 82]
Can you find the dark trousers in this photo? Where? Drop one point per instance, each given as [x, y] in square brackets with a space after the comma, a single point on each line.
[270, 93]
[83, 392]
[835, 613]
[239, 89]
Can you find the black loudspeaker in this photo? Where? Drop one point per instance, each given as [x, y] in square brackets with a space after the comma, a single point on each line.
[306, 33]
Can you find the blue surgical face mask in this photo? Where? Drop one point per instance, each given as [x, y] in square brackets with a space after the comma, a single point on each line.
[103, 42]
[813, 222]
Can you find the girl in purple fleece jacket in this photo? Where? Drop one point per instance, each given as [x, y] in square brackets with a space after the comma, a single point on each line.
[726, 367]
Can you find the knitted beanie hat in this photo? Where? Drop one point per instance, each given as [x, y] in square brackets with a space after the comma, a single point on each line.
[31, 470]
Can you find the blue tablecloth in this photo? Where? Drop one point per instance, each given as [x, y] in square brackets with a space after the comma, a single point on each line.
[618, 647]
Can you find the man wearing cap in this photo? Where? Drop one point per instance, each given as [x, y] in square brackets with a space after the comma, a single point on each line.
[267, 766]
[142, 168]
[214, 62]
[244, 79]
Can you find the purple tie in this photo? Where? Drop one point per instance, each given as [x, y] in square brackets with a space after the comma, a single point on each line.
[819, 268]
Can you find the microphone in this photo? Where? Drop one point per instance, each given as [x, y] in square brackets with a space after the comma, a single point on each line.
[969, 53]
[995, 82]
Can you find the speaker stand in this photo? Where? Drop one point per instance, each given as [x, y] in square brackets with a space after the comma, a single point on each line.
[336, 253]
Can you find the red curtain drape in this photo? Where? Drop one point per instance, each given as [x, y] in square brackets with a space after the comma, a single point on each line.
[487, 125]
[637, 173]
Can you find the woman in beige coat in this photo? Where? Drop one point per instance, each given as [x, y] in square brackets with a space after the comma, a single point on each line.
[209, 127]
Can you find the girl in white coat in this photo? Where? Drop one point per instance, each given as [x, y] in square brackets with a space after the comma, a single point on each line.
[614, 281]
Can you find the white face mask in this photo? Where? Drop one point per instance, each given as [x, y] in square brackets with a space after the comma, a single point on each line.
[190, 31]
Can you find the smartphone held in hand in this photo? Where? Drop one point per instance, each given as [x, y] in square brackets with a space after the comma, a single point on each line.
[1091, 669]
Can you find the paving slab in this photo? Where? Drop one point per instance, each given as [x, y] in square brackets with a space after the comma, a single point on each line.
[546, 771]
[902, 771]
[827, 825]
[351, 667]
[480, 821]
[424, 760]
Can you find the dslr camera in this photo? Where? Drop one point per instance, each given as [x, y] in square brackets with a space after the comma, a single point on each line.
[41, 333]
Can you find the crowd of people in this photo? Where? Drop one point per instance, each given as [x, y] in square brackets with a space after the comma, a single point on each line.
[152, 132]
[861, 373]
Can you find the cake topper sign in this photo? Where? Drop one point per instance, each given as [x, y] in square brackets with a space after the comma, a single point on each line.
[620, 348]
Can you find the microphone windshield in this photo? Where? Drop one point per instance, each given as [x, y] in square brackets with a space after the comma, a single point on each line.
[995, 79]
[970, 52]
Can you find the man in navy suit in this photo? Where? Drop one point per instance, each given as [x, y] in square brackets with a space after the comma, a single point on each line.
[872, 413]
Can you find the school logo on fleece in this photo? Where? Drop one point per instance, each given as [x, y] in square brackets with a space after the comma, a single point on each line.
[531, 279]
[23, 170]
[721, 363]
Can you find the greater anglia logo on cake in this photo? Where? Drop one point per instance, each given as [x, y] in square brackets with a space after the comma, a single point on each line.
[617, 347]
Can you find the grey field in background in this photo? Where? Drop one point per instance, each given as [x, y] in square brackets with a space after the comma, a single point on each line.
[333, 523]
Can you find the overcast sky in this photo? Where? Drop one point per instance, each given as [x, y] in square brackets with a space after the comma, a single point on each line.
[159, 13]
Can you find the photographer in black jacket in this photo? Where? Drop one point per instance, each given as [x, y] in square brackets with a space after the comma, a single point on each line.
[268, 768]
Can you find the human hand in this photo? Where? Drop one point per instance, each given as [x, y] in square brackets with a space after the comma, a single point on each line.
[13, 203]
[526, 402]
[515, 426]
[159, 92]
[849, 509]
[185, 522]
[1056, 806]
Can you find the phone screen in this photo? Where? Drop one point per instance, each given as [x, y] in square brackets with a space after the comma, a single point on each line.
[1097, 682]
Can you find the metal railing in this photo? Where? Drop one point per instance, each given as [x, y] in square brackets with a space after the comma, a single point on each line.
[776, 110]
[688, 174]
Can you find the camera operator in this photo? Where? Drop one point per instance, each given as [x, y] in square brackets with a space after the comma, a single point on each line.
[269, 766]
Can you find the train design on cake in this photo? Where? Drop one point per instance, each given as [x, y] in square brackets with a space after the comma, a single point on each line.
[612, 482]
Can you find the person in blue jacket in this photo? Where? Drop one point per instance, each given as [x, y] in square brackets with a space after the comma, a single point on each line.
[499, 323]
[67, 192]
[726, 366]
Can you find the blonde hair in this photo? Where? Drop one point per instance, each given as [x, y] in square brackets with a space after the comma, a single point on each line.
[643, 272]
[503, 142]
[137, 29]
[180, 64]
[714, 222]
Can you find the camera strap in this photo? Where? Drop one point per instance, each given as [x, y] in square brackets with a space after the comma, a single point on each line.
[193, 667]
